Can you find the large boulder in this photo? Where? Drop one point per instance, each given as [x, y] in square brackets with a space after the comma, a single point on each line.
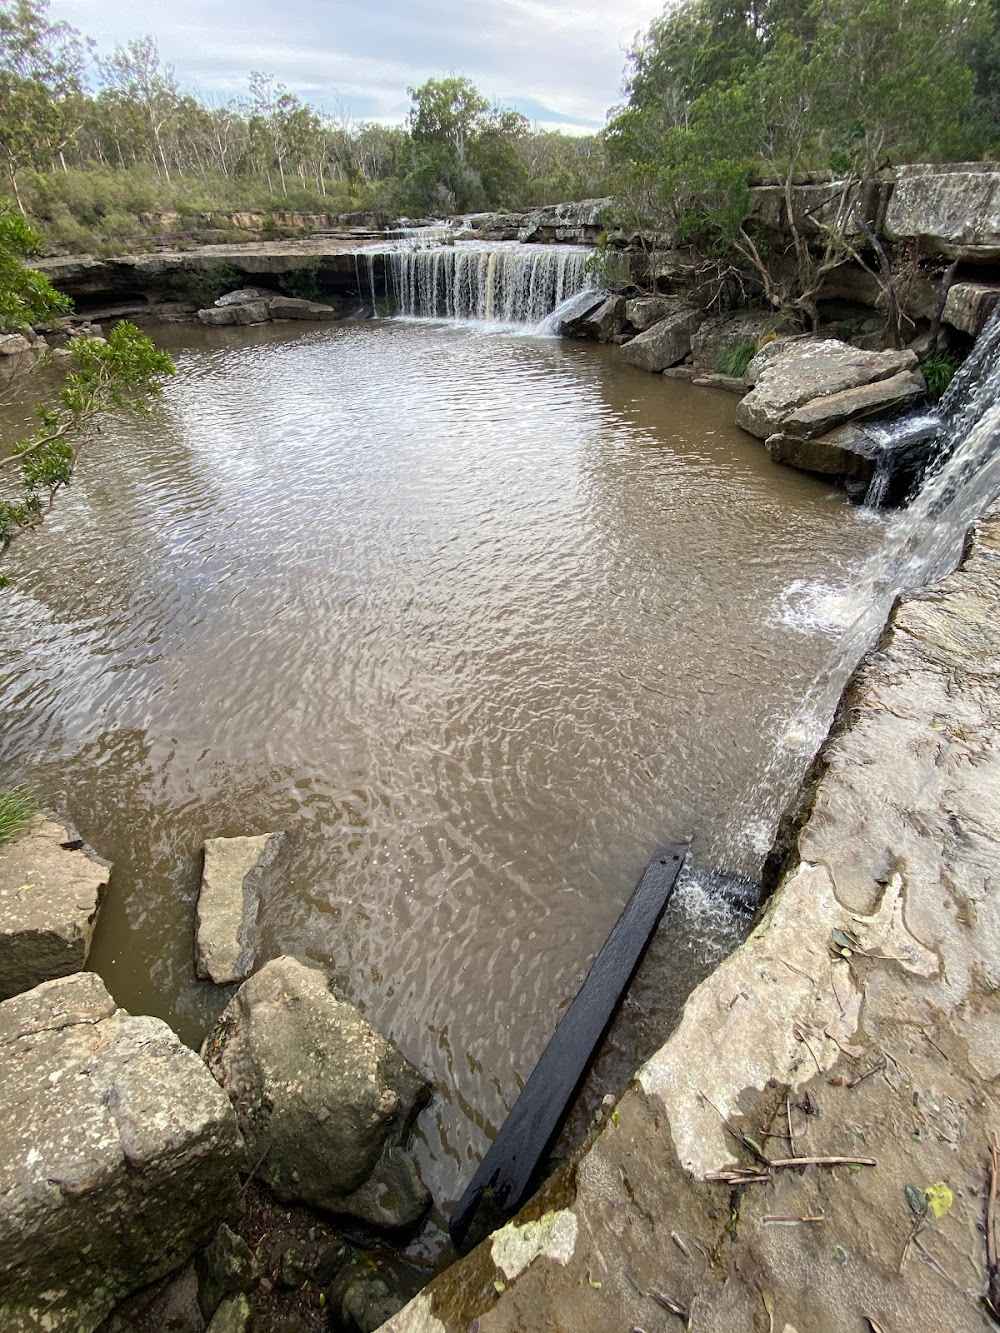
[50, 892]
[720, 332]
[602, 324]
[323, 1100]
[665, 343]
[293, 307]
[867, 400]
[642, 312]
[226, 922]
[13, 344]
[951, 210]
[576, 309]
[788, 375]
[118, 1155]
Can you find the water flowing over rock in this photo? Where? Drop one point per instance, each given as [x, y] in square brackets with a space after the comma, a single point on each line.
[323, 1100]
[50, 892]
[789, 376]
[118, 1155]
[509, 284]
[228, 903]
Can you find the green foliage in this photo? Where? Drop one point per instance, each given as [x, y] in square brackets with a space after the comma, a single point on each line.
[116, 375]
[939, 371]
[302, 282]
[735, 359]
[202, 287]
[17, 807]
[26, 295]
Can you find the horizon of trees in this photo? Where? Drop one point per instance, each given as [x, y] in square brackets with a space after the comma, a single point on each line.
[92, 140]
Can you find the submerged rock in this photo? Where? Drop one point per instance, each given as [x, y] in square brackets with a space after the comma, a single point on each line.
[50, 892]
[228, 904]
[788, 376]
[324, 1101]
[118, 1155]
[665, 343]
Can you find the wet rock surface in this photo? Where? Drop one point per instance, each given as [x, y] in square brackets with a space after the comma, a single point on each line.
[324, 1101]
[118, 1155]
[858, 1022]
[50, 893]
[226, 923]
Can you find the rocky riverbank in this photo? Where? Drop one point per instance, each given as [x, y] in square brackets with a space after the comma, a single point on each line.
[811, 1148]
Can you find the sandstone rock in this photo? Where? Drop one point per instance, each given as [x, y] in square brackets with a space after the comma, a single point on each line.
[720, 332]
[362, 1301]
[225, 930]
[244, 295]
[224, 1268]
[645, 311]
[665, 343]
[324, 1100]
[824, 414]
[118, 1155]
[801, 372]
[292, 307]
[225, 315]
[602, 324]
[13, 344]
[251, 312]
[731, 383]
[847, 452]
[50, 892]
[969, 305]
[232, 1316]
[953, 211]
[576, 309]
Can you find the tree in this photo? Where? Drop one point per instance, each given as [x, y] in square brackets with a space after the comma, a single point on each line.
[40, 67]
[136, 76]
[119, 374]
[445, 111]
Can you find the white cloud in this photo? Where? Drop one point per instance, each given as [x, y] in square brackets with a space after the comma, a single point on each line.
[559, 60]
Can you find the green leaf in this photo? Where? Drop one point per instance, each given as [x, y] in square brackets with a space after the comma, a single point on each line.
[916, 1198]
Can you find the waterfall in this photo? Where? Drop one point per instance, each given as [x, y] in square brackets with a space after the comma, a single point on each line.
[506, 283]
[923, 543]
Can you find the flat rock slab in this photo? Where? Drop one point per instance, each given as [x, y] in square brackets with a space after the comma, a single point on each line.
[787, 375]
[118, 1155]
[50, 892]
[324, 1100]
[836, 409]
[228, 903]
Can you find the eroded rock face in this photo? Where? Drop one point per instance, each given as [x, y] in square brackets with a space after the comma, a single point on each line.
[665, 343]
[789, 375]
[324, 1101]
[225, 929]
[953, 211]
[118, 1155]
[969, 305]
[50, 892]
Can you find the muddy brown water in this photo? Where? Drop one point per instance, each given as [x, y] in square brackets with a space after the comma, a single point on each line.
[481, 619]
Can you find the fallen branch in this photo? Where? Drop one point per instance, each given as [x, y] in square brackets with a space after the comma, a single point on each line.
[668, 1303]
[822, 1161]
[785, 1220]
[992, 1298]
[876, 1068]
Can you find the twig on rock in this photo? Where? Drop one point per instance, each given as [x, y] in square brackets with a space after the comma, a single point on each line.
[668, 1303]
[992, 1298]
[876, 1068]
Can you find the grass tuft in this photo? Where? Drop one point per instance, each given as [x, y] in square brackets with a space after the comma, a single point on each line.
[939, 371]
[17, 807]
[735, 359]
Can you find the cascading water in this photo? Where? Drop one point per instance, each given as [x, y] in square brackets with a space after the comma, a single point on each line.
[923, 543]
[504, 283]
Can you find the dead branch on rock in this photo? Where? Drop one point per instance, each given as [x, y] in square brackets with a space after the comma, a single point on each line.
[876, 1068]
[668, 1303]
[992, 1298]
[783, 1219]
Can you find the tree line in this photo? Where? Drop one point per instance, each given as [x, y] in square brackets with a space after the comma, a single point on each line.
[95, 139]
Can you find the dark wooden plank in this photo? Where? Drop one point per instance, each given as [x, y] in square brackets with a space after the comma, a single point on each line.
[508, 1172]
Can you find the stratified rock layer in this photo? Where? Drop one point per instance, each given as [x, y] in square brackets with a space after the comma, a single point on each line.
[118, 1155]
[50, 892]
[324, 1101]
[860, 1018]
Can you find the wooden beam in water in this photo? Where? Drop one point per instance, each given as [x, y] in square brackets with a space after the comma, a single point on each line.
[508, 1173]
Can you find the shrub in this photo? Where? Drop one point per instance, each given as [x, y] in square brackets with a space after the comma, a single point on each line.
[736, 357]
[16, 809]
[939, 371]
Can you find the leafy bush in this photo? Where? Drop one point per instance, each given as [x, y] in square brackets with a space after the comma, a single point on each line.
[16, 809]
[736, 357]
[939, 371]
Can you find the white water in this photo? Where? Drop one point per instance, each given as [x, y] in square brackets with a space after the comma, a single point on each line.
[502, 283]
[923, 543]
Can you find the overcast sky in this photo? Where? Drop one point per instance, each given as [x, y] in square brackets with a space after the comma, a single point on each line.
[558, 61]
